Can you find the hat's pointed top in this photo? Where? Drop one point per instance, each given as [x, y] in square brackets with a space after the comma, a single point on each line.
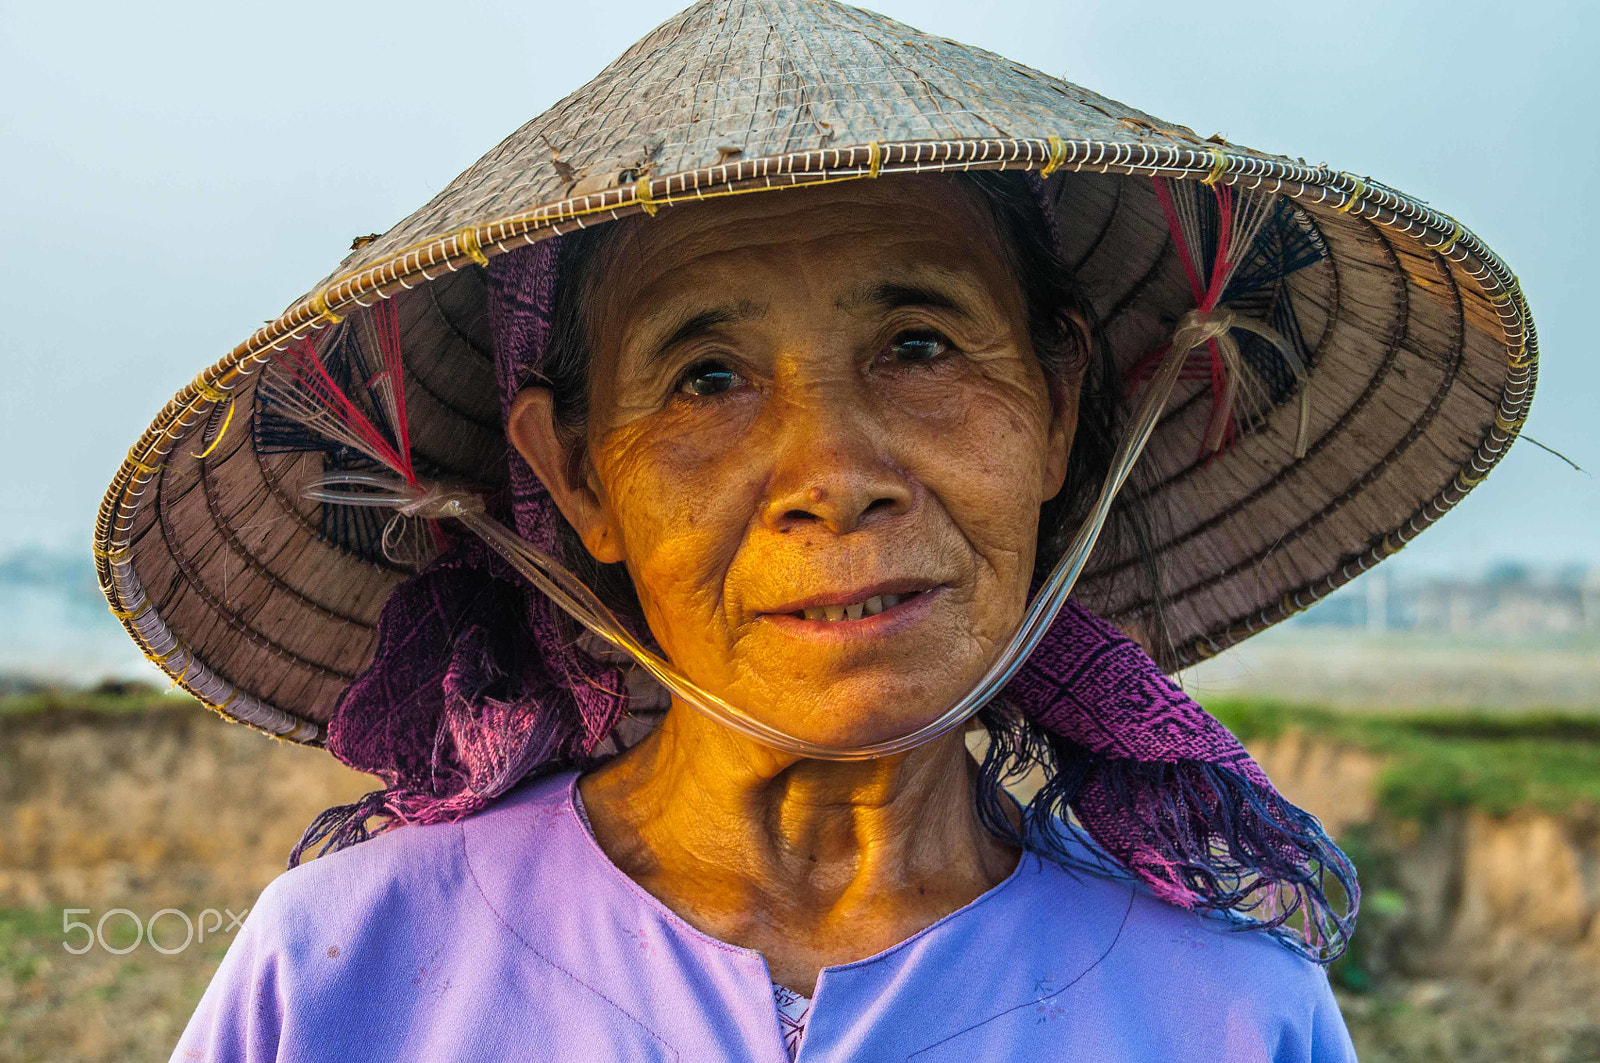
[729, 80]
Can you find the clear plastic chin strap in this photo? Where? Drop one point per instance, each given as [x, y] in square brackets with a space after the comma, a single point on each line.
[568, 592]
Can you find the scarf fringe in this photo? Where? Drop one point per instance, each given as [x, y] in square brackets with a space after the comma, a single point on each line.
[342, 826]
[1206, 837]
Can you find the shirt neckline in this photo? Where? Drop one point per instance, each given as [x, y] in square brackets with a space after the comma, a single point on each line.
[547, 881]
[572, 804]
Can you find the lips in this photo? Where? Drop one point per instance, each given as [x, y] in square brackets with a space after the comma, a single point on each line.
[854, 603]
[861, 616]
[902, 612]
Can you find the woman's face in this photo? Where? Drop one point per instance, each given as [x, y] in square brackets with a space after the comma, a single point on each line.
[819, 440]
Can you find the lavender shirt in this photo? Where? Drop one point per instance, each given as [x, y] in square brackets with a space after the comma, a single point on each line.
[510, 936]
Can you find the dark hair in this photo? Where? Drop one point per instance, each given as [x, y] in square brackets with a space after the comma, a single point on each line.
[1065, 350]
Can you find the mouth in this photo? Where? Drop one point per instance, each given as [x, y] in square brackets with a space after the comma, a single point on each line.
[872, 606]
[880, 610]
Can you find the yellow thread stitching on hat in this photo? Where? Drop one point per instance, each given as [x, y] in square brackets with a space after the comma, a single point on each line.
[1510, 293]
[1219, 162]
[233, 696]
[467, 240]
[641, 192]
[1505, 425]
[209, 392]
[227, 419]
[134, 615]
[1455, 234]
[157, 658]
[1058, 152]
[182, 676]
[111, 555]
[1353, 198]
[148, 470]
[1467, 482]
[874, 158]
[319, 303]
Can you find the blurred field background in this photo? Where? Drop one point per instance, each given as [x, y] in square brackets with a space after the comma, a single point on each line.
[1446, 731]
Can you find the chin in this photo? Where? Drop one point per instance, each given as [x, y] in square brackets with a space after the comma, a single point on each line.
[860, 712]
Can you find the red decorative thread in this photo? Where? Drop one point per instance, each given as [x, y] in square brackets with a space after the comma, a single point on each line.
[303, 361]
[388, 323]
[1206, 297]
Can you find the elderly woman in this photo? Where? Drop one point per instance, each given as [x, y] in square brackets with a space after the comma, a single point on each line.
[671, 696]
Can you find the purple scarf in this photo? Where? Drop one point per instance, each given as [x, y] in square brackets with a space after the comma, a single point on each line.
[474, 686]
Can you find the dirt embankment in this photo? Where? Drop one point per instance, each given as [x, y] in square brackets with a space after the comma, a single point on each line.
[1467, 878]
[160, 806]
[1483, 930]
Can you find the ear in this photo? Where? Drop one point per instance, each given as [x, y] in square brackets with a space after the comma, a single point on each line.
[531, 427]
[1064, 391]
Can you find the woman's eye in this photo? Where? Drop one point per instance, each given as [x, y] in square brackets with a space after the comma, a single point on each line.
[919, 346]
[709, 377]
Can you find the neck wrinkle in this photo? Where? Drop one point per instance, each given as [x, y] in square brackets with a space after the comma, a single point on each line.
[695, 811]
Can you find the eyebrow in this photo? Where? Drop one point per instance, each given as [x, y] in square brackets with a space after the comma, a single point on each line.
[699, 322]
[689, 324]
[888, 296]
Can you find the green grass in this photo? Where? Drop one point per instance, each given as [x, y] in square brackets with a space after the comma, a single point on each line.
[1438, 761]
[21, 932]
[135, 699]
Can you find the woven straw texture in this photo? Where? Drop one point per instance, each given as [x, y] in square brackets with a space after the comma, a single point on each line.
[1422, 350]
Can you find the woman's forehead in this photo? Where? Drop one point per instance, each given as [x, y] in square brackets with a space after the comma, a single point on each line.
[850, 239]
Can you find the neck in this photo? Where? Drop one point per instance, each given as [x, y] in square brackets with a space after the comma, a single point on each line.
[811, 862]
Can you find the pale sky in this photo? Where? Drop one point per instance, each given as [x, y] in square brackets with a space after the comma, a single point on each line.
[176, 173]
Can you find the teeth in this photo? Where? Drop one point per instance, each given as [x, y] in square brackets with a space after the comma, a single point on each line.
[871, 607]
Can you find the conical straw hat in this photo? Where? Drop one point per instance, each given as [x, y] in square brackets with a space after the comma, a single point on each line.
[1420, 345]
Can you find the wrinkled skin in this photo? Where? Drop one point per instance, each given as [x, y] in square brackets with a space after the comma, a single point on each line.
[854, 407]
[840, 442]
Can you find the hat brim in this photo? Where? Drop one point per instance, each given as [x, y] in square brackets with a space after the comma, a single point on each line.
[1423, 365]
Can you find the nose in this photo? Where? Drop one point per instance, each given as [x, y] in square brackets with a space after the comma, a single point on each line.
[832, 467]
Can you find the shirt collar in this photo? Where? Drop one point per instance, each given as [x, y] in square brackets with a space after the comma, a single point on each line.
[540, 869]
